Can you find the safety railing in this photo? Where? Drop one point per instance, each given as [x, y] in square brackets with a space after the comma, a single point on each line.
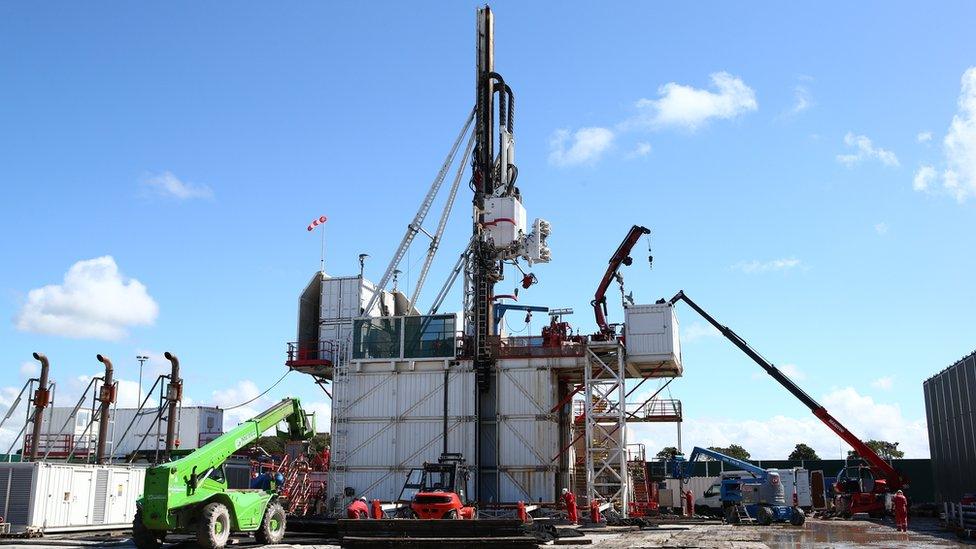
[659, 409]
[312, 353]
[59, 446]
[533, 347]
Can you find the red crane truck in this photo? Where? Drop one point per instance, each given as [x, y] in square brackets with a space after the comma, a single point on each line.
[859, 488]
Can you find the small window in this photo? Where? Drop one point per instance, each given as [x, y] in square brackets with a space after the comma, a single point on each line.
[210, 422]
[712, 491]
[217, 474]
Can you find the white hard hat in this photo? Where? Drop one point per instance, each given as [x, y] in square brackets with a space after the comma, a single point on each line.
[565, 490]
[362, 498]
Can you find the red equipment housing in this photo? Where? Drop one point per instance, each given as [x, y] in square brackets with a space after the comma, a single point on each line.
[620, 257]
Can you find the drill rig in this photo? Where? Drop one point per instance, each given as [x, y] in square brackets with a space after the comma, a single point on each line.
[500, 236]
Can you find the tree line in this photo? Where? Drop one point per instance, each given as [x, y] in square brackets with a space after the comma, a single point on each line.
[885, 449]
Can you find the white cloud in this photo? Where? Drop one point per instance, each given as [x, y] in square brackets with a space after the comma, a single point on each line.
[959, 178]
[923, 137]
[235, 395]
[924, 177]
[881, 228]
[323, 414]
[10, 428]
[168, 185]
[774, 437]
[94, 301]
[29, 369]
[793, 372]
[959, 148]
[690, 108]
[802, 100]
[756, 266]
[642, 149]
[865, 151]
[585, 146]
[883, 382]
[697, 330]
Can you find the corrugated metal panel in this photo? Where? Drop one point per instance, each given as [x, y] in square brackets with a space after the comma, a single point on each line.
[950, 397]
[393, 422]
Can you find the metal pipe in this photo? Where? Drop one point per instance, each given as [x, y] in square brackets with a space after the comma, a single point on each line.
[173, 393]
[106, 396]
[41, 399]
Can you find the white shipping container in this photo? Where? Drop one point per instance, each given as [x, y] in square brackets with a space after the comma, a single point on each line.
[804, 495]
[197, 426]
[59, 497]
[651, 335]
[345, 298]
[697, 485]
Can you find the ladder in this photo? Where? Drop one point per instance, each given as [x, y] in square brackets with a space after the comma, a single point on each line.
[340, 427]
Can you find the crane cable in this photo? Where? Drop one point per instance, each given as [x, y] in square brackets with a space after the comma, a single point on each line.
[266, 391]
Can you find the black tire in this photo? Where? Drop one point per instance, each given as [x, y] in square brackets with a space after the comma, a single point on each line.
[143, 537]
[798, 517]
[451, 515]
[731, 516]
[213, 526]
[272, 529]
[764, 516]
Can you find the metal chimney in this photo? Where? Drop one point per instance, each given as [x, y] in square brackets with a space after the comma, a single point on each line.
[174, 393]
[106, 396]
[41, 400]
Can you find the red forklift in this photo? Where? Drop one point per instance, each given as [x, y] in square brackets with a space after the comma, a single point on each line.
[436, 490]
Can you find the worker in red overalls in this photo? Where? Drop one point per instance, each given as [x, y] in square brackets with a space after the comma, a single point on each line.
[900, 503]
[358, 509]
[570, 499]
[690, 503]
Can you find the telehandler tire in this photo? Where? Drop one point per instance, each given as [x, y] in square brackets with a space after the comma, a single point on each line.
[798, 517]
[272, 529]
[213, 528]
[764, 516]
[143, 537]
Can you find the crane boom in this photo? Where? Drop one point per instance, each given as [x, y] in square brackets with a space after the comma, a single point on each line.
[755, 471]
[894, 477]
[620, 257]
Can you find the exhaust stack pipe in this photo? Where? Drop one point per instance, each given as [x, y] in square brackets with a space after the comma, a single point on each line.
[41, 400]
[106, 396]
[174, 393]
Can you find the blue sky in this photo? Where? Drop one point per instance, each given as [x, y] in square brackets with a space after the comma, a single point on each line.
[808, 173]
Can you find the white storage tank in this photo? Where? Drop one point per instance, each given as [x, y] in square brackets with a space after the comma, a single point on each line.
[47, 496]
[651, 339]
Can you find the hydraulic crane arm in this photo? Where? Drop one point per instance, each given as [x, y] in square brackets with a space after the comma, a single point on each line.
[895, 478]
[757, 472]
[620, 257]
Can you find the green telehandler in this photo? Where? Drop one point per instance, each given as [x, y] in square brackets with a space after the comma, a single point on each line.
[190, 495]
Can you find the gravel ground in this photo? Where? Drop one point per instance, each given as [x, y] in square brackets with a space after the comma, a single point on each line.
[924, 534]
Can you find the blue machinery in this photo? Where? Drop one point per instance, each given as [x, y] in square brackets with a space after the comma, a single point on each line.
[756, 494]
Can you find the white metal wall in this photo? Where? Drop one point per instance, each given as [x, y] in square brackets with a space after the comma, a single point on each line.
[394, 422]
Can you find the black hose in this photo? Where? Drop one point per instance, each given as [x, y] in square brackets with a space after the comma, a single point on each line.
[511, 110]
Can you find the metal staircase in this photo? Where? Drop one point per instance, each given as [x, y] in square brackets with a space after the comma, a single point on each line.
[605, 418]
